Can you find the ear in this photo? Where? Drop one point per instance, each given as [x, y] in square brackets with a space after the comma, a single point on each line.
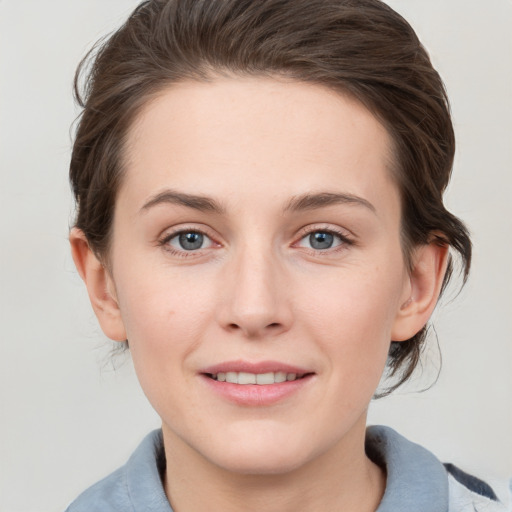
[100, 286]
[424, 286]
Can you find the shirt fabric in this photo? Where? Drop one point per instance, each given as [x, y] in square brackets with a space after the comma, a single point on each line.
[416, 481]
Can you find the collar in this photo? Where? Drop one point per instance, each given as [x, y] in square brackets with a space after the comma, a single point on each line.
[144, 471]
[416, 479]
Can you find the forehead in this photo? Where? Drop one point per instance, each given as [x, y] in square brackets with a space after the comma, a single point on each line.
[255, 136]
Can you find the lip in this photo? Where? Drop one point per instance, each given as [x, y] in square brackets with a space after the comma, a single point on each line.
[250, 367]
[255, 395]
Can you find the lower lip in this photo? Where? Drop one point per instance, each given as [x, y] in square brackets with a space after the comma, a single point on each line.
[255, 394]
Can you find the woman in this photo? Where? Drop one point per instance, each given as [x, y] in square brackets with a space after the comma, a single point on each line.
[260, 219]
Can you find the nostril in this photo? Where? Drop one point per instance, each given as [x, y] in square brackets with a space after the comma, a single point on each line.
[273, 327]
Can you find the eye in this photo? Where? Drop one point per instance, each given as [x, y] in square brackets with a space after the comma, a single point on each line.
[322, 239]
[189, 241]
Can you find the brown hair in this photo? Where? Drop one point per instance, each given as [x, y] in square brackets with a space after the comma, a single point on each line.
[359, 47]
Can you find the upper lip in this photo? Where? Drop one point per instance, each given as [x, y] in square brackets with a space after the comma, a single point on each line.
[253, 367]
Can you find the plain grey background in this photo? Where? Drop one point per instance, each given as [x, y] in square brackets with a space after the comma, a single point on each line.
[68, 418]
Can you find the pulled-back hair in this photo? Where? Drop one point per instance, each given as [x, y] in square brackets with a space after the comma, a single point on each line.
[358, 47]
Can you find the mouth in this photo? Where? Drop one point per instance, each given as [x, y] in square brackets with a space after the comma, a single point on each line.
[257, 384]
[260, 379]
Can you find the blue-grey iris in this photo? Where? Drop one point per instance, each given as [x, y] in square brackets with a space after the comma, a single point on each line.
[321, 240]
[191, 241]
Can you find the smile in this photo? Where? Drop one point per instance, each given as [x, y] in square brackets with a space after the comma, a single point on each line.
[257, 384]
[261, 379]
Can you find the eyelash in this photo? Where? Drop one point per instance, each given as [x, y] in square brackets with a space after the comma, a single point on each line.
[183, 253]
[305, 232]
[345, 240]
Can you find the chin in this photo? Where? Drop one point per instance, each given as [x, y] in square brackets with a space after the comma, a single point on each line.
[260, 455]
[261, 464]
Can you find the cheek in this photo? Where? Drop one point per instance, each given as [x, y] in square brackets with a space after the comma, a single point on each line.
[351, 316]
[164, 316]
[165, 321]
[351, 300]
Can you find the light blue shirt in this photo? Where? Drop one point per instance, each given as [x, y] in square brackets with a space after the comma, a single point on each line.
[416, 481]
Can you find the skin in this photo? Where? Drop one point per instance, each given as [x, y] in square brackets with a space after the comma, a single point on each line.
[257, 290]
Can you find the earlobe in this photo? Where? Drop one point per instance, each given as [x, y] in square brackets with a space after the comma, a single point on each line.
[425, 283]
[100, 286]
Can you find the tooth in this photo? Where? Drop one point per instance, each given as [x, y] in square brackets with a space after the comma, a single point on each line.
[232, 377]
[279, 377]
[246, 378]
[265, 378]
[252, 378]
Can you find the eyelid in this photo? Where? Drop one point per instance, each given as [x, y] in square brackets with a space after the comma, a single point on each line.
[177, 237]
[170, 233]
[346, 237]
[328, 228]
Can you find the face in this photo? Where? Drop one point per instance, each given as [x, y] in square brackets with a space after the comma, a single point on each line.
[257, 266]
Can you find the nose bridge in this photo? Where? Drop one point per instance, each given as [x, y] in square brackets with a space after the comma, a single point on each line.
[255, 301]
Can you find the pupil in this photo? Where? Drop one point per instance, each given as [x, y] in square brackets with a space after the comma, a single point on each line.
[191, 241]
[321, 240]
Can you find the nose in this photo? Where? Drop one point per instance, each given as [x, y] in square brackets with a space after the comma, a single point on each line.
[255, 296]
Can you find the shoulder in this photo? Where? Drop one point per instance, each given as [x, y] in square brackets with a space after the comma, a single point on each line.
[468, 493]
[417, 480]
[109, 494]
[135, 486]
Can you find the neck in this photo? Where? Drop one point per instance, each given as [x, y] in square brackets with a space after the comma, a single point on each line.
[341, 479]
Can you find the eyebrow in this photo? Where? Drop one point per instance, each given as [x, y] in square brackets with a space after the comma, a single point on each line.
[196, 202]
[298, 203]
[323, 199]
